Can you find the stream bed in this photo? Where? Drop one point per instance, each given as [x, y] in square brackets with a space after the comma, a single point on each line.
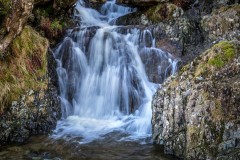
[45, 148]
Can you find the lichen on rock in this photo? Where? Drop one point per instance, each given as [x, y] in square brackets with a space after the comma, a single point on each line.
[192, 110]
[223, 23]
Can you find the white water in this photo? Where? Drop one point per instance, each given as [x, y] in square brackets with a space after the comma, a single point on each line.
[102, 79]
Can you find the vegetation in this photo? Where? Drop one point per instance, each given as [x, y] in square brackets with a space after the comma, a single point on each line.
[216, 58]
[225, 51]
[5, 6]
[163, 11]
[23, 69]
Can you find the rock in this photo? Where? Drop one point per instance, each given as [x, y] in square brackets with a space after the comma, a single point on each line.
[14, 22]
[29, 100]
[223, 23]
[153, 15]
[199, 119]
[140, 2]
[52, 18]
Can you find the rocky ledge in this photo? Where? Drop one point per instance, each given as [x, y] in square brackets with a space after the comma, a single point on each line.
[196, 113]
[29, 103]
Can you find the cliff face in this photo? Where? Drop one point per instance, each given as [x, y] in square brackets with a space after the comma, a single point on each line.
[29, 102]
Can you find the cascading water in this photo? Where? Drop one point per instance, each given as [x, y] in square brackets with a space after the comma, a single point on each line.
[102, 78]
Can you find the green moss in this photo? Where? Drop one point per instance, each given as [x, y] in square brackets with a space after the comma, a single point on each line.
[226, 53]
[161, 12]
[21, 71]
[5, 6]
[215, 58]
[56, 25]
[216, 61]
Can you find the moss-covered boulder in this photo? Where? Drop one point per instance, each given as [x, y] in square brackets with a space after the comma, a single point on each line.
[196, 113]
[28, 103]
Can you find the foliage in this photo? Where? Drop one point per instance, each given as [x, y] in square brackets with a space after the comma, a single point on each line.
[226, 52]
[23, 69]
[216, 57]
[56, 25]
[5, 6]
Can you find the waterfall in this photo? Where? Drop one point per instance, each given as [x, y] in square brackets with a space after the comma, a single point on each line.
[102, 75]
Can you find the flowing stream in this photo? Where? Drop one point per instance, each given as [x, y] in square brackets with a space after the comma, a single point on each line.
[103, 84]
[107, 77]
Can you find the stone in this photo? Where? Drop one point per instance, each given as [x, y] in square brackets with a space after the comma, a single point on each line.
[200, 119]
[140, 2]
[29, 100]
[222, 23]
[14, 22]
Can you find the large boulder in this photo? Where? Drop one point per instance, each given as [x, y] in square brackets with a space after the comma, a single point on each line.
[196, 113]
[28, 101]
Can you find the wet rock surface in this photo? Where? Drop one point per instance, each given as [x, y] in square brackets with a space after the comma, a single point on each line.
[195, 113]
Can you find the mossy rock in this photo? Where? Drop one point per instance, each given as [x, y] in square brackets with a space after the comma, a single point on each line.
[24, 68]
[163, 11]
[226, 53]
[216, 58]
